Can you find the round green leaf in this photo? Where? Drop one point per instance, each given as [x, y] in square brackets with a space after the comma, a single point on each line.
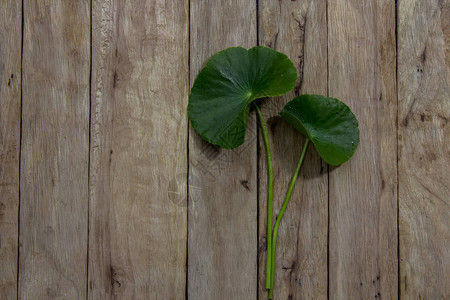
[328, 122]
[220, 98]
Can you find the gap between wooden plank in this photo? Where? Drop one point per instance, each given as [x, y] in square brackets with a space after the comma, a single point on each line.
[90, 141]
[258, 182]
[397, 154]
[188, 182]
[20, 151]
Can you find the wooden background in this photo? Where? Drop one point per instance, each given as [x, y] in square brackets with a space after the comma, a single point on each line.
[106, 192]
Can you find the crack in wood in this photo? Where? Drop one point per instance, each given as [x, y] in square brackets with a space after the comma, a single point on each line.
[302, 28]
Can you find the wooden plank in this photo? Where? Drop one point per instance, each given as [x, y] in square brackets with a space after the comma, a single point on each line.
[424, 138]
[10, 86]
[55, 150]
[140, 71]
[363, 192]
[298, 29]
[222, 242]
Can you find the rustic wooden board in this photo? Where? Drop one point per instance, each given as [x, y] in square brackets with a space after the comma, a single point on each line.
[10, 87]
[298, 29]
[55, 150]
[122, 228]
[424, 152]
[363, 192]
[138, 224]
[222, 243]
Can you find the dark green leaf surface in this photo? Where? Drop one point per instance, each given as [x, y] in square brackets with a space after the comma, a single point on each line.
[328, 122]
[220, 99]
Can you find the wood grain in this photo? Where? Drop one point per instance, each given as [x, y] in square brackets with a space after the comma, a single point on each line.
[119, 227]
[222, 243]
[424, 138]
[363, 191]
[10, 86]
[138, 214]
[298, 29]
[55, 150]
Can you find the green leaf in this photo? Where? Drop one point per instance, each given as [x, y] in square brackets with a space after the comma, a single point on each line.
[220, 98]
[328, 122]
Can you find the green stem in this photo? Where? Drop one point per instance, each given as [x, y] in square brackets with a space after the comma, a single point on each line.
[269, 201]
[280, 215]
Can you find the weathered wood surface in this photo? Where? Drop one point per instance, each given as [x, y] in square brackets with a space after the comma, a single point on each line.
[424, 151]
[222, 243]
[146, 210]
[10, 87]
[299, 29]
[55, 150]
[138, 229]
[363, 191]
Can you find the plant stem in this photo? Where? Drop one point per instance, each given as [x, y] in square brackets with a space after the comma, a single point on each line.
[269, 201]
[280, 215]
